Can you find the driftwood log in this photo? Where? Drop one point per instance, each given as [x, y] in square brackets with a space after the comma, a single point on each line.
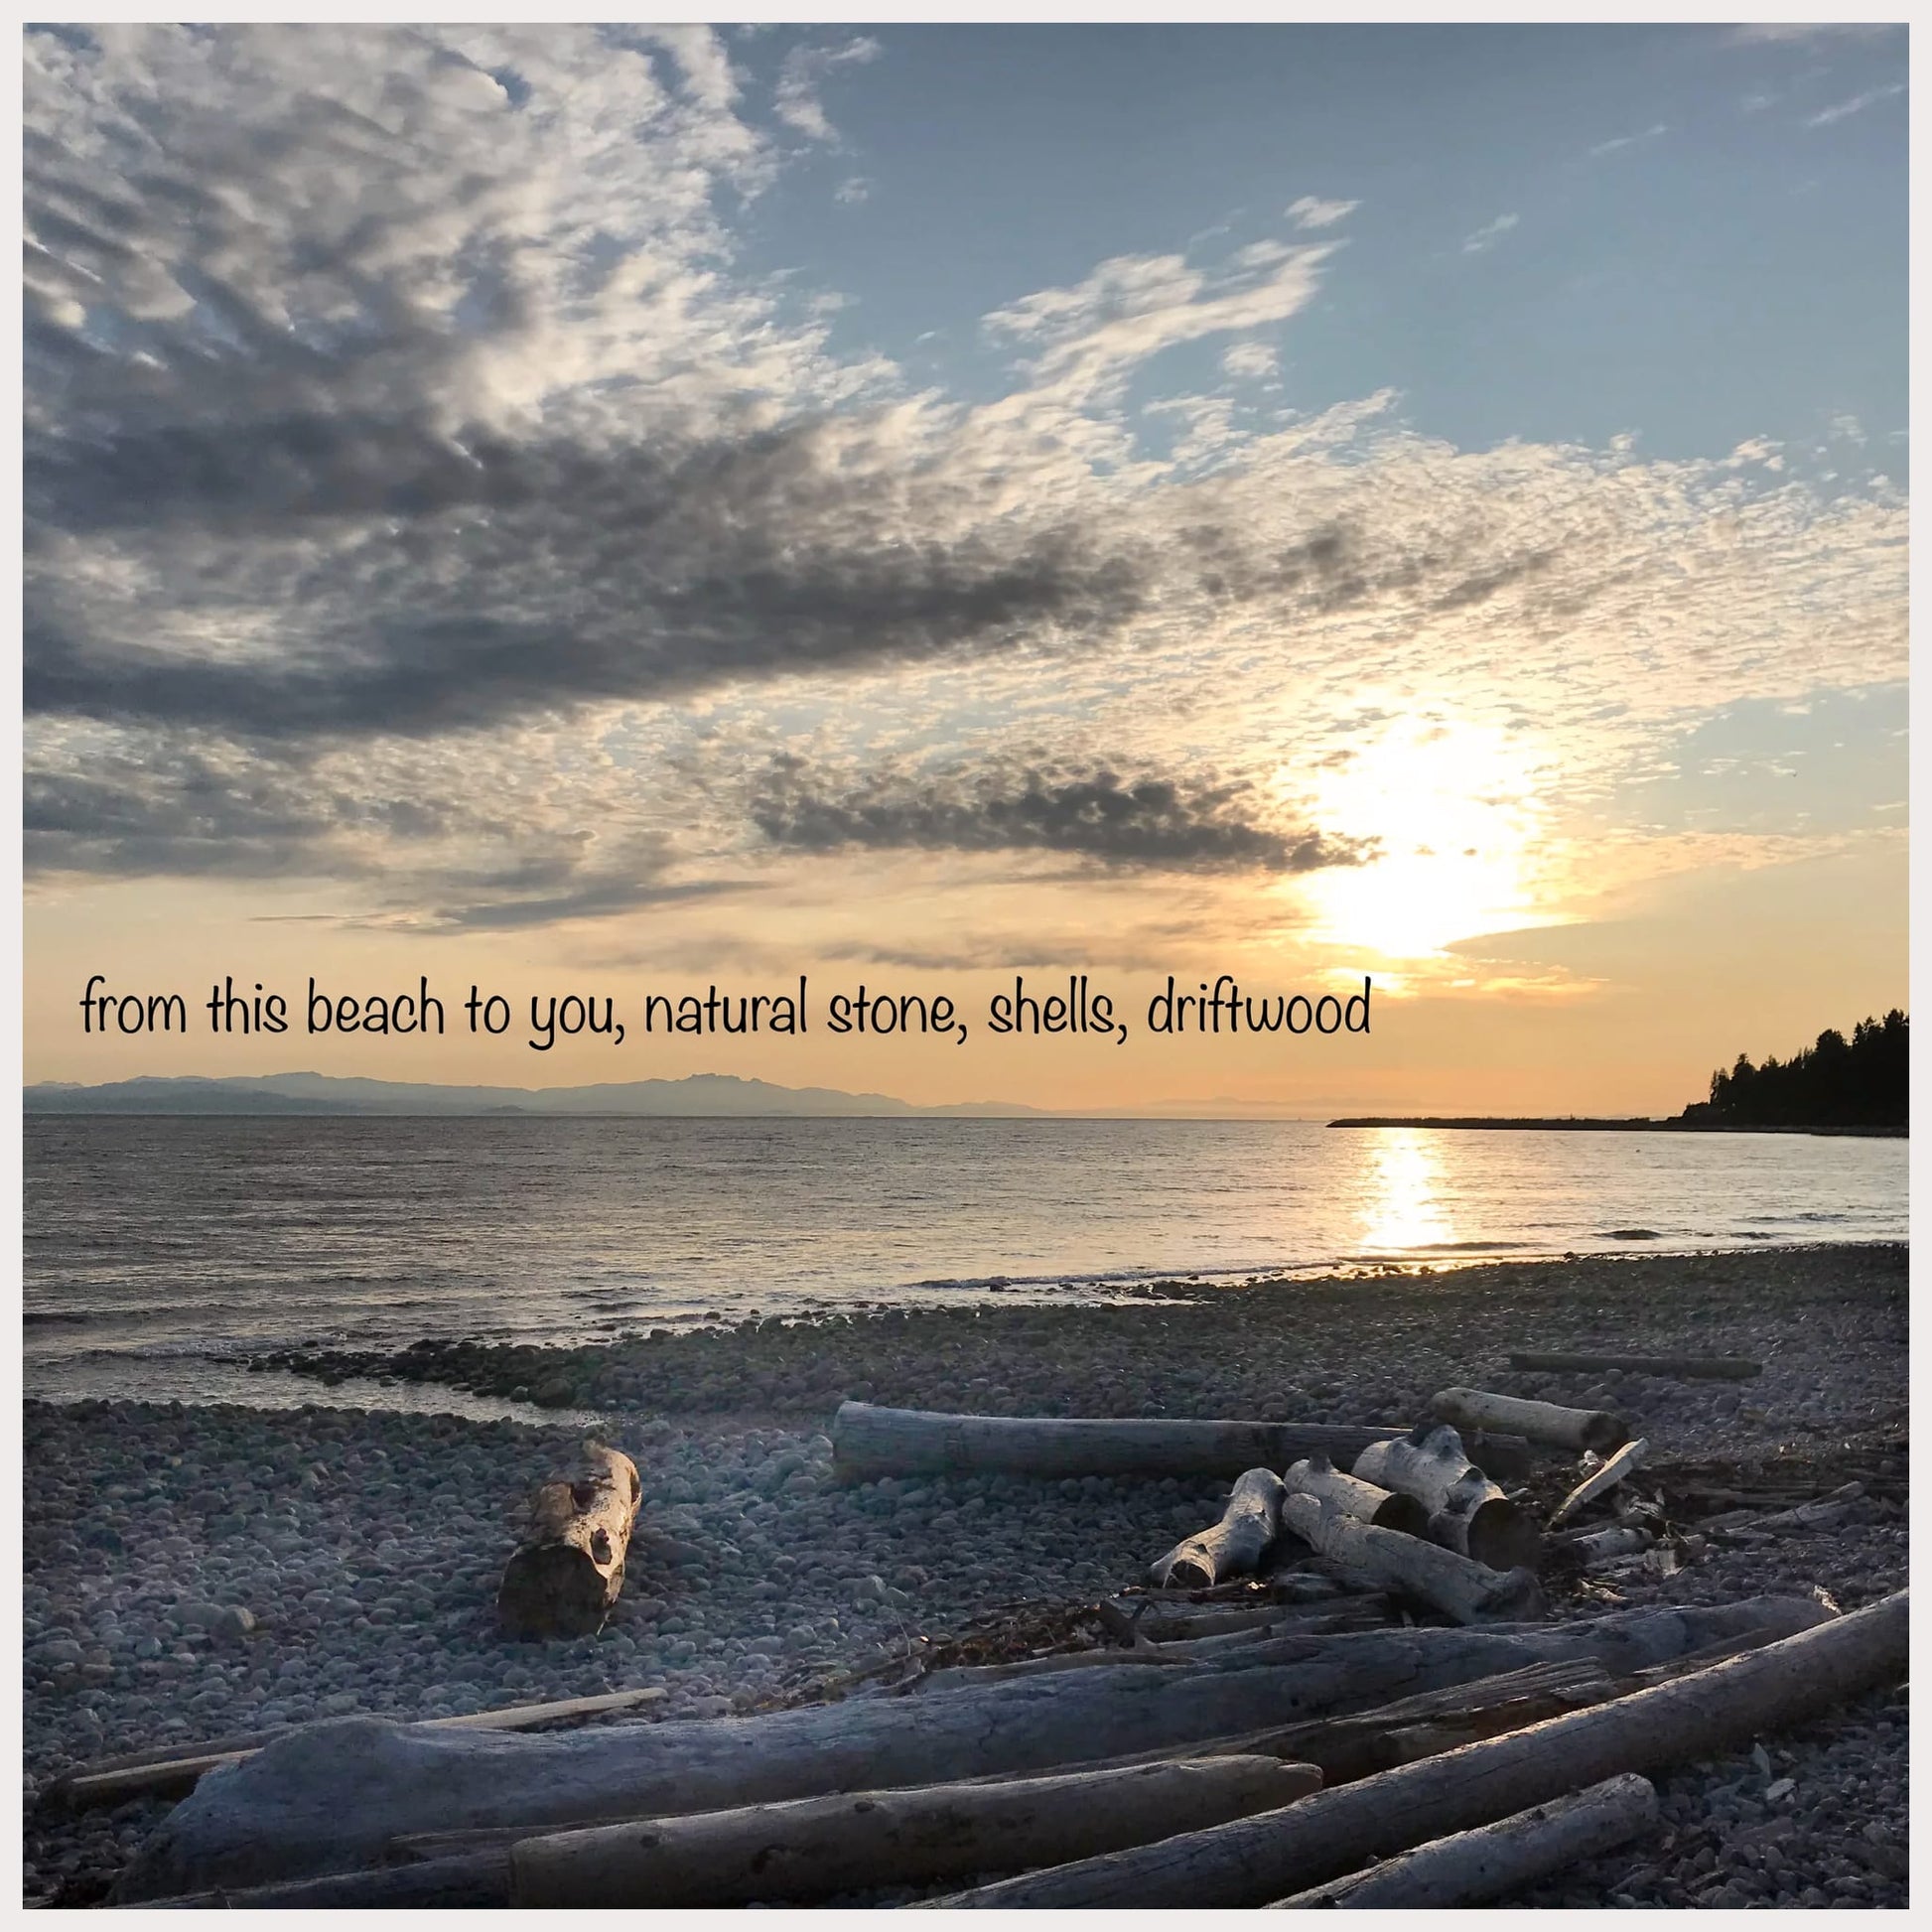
[1476, 1866]
[1679, 1368]
[1467, 1590]
[815, 1847]
[870, 1441]
[1625, 1463]
[568, 1569]
[1536, 1422]
[1278, 1854]
[1356, 1746]
[1618, 1539]
[1387, 1509]
[173, 1771]
[1233, 1546]
[332, 1796]
[811, 1849]
[1466, 1511]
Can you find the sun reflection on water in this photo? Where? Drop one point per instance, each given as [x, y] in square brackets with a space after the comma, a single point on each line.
[1404, 1207]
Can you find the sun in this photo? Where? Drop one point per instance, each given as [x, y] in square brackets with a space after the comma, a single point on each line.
[1453, 806]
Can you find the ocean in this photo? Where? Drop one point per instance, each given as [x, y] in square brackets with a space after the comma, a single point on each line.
[158, 1252]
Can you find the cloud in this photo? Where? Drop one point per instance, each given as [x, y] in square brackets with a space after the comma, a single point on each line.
[1144, 821]
[803, 72]
[1088, 336]
[1309, 212]
[852, 191]
[1623, 141]
[1489, 234]
[1796, 33]
[424, 499]
[457, 596]
[1251, 359]
[1844, 110]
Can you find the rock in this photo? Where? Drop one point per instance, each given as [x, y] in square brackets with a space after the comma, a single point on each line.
[232, 1623]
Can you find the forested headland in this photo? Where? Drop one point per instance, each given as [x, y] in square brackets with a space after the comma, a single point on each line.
[1860, 1082]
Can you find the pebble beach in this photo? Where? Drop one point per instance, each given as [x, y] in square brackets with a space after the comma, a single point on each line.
[197, 1572]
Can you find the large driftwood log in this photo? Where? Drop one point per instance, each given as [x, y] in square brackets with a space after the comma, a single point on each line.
[1536, 1422]
[1387, 1509]
[870, 1441]
[1467, 1512]
[173, 1771]
[1469, 1592]
[815, 1847]
[811, 1848]
[1625, 1463]
[1677, 1368]
[1492, 1860]
[333, 1795]
[1277, 1854]
[568, 1569]
[1367, 1741]
[1233, 1546]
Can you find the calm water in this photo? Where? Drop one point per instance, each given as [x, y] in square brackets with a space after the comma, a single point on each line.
[157, 1250]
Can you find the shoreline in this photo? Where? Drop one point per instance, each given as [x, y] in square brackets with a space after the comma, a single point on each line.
[1580, 1124]
[367, 1544]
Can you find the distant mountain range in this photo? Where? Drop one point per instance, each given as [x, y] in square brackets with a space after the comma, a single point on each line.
[322, 1094]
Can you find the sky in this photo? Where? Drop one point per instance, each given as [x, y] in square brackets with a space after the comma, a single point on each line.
[611, 511]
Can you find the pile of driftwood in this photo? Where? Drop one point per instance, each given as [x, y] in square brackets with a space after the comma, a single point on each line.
[1344, 1691]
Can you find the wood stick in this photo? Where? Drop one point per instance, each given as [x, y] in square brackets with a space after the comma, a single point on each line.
[1387, 1509]
[568, 1569]
[817, 1847]
[1278, 1854]
[1680, 1368]
[1233, 1546]
[171, 1771]
[873, 1442]
[1466, 1591]
[1624, 1462]
[1475, 1867]
[1538, 1422]
[1468, 1512]
[333, 1795]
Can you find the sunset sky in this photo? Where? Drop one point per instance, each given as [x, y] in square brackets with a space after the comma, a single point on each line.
[617, 510]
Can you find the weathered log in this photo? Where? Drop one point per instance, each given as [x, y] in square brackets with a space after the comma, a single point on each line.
[1372, 1741]
[332, 1795]
[1278, 1854]
[1233, 1546]
[568, 1569]
[1618, 1539]
[468, 1881]
[1625, 1463]
[1142, 1619]
[1492, 1860]
[1467, 1590]
[1465, 1511]
[1824, 1513]
[870, 1441]
[1677, 1368]
[1387, 1509]
[815, 1847]
[172, 1771]
[1536, 1422]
